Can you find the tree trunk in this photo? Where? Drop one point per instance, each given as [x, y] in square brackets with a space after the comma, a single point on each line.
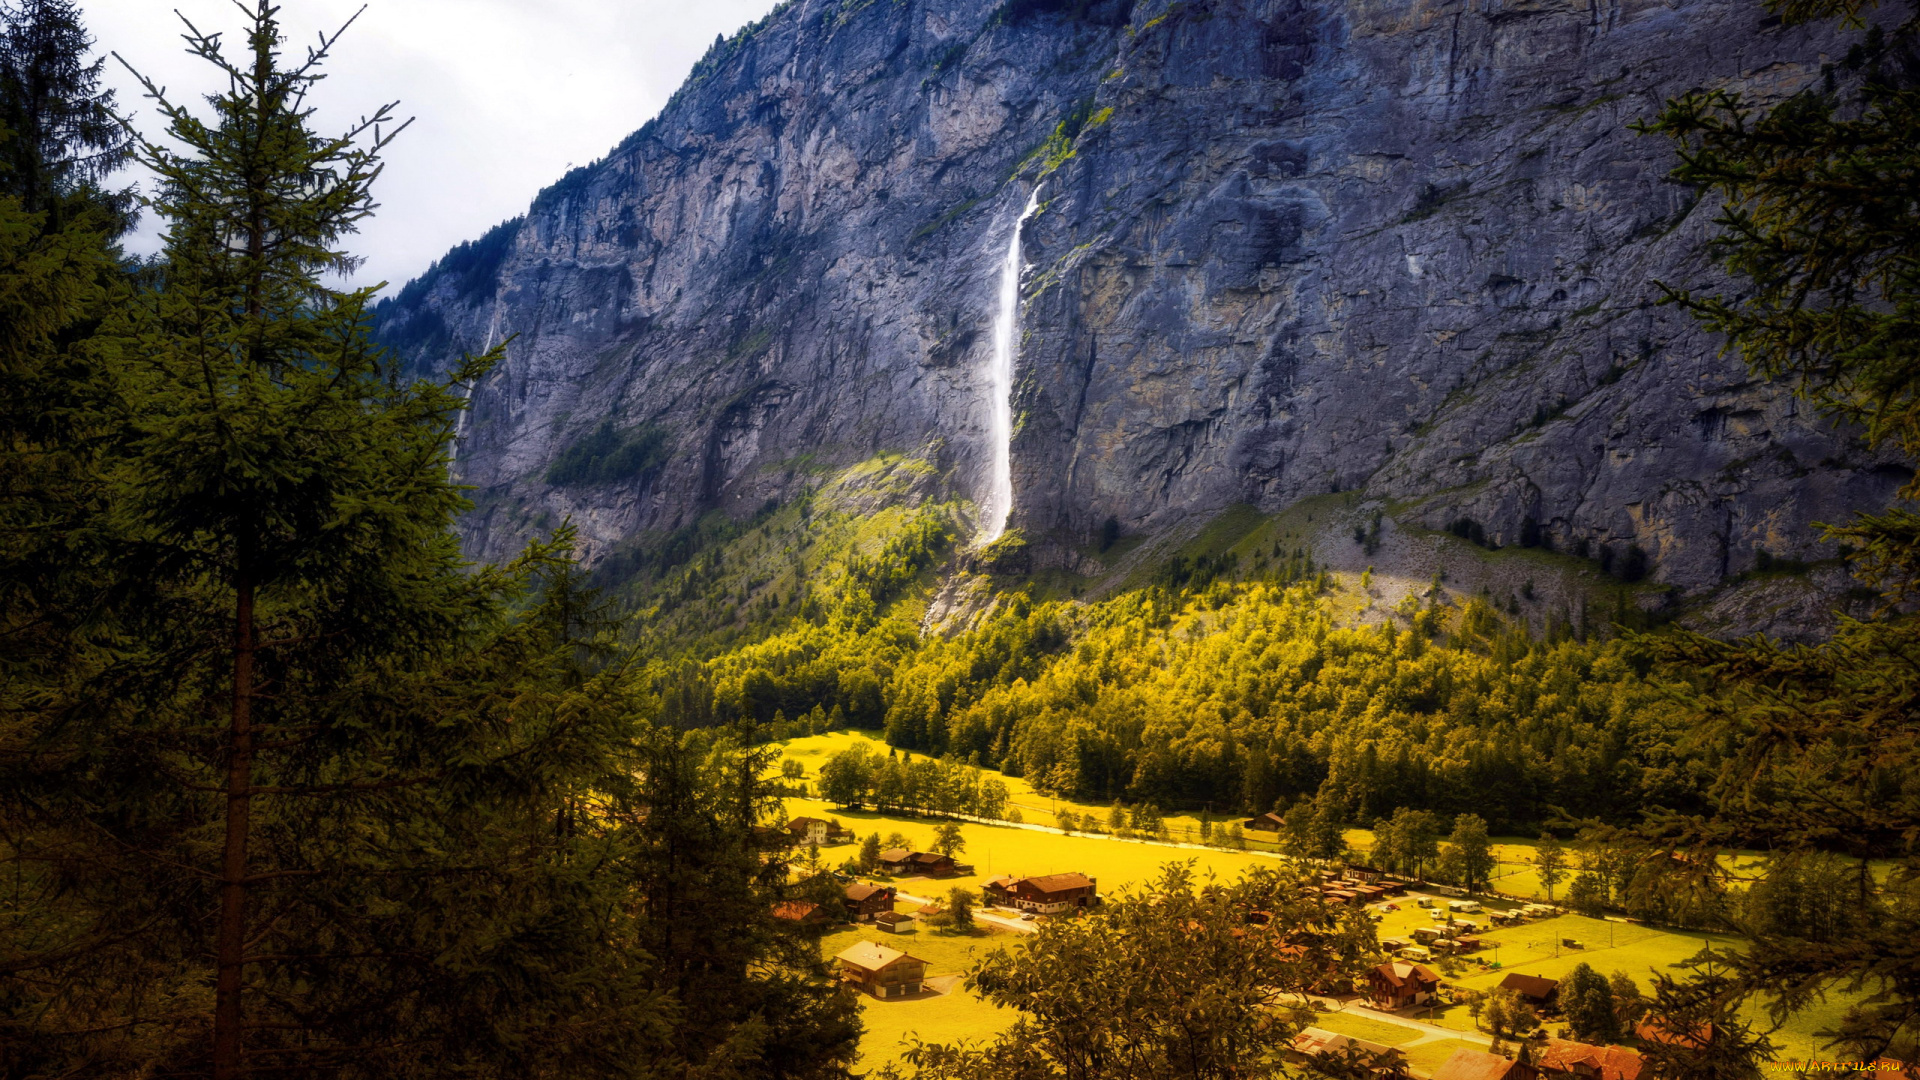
[231, 942]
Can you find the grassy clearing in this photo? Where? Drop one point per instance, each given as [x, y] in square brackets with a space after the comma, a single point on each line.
[1003, 849]
[1537, 949]
[1427, 1056]
[1534, 948]
[1365, 1027]
[956, 1016]
[1035, 808]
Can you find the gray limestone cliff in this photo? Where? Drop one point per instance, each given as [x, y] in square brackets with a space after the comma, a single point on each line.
[1403, 247]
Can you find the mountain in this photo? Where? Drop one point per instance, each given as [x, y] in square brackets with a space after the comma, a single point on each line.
[1403, 249]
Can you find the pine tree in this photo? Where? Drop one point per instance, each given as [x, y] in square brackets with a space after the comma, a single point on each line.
[64, 138]
[1822, 234]
[288, 788]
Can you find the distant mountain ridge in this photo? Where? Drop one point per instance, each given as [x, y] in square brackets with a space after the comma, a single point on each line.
[1406, 248]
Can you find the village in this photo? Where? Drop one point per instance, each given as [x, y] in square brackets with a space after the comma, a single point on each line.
[1425, 1010]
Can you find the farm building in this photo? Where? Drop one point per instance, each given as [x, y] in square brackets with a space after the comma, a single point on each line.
[1047, 895]
[1541, 993]
[1584, 1061]
[801, 911]
[1480, 1065]
[872, 968]
[1314, 1043]
[1268, 822]
[864, 900]
[926, 863]
[1398, 984]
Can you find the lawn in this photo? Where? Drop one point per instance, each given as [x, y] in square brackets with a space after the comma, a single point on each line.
[1035, 808]
[1536, 949]
[953, 1017]
[1356, 1026]
[1427, 1056]
[1533, 948]
[1006, 849]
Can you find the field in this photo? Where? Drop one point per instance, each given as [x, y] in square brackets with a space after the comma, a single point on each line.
[1533, 948]
[955, 1016]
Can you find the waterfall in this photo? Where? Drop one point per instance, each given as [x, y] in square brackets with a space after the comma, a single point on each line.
[1006, 340]
[460, 422]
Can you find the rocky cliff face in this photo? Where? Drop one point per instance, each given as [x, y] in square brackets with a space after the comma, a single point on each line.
[1285, 248]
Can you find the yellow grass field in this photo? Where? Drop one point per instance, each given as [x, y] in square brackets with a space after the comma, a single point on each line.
[956, 1016]
[1534, 948]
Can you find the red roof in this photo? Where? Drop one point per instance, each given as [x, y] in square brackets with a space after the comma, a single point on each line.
[1480, 1065]
[796, 910]
[1605, 1062]
[1530, 986]
[1401, 973]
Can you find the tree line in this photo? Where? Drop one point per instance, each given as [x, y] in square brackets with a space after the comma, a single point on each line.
[287, 787]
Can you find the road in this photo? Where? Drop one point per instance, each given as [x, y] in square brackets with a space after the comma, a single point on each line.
[984, 916]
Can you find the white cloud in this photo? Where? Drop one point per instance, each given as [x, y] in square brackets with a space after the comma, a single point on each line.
[506, 93]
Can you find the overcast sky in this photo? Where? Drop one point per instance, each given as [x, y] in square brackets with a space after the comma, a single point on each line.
[507, 93]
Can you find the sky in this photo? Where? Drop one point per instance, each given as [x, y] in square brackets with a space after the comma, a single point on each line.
[506, 94]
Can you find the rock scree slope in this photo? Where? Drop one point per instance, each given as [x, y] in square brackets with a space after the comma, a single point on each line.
[1404, 247]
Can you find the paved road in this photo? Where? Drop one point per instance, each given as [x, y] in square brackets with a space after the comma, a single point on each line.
[1428, 1032]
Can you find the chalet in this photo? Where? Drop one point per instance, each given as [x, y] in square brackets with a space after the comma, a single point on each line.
[1398, 984]
[864, 900]
[814, 832]
[1541, 993]
[1583, 1061]
[801, 911]
[1268, 822]
[1480, 1065]
[1047, 895]
[900, 861]
[872, 968]
[808, 830]
[1315, 1044]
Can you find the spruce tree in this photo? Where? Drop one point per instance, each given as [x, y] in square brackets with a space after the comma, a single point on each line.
[65, 139]
[1821, 232]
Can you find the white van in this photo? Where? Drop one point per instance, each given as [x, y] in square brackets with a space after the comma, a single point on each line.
[1467, 906]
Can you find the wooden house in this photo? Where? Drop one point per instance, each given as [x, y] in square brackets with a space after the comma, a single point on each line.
[901, 862]
[1398, 984]
[1268, 822]
[872, 968]
[1047, 895]
[1541, 993]
[864, 900]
